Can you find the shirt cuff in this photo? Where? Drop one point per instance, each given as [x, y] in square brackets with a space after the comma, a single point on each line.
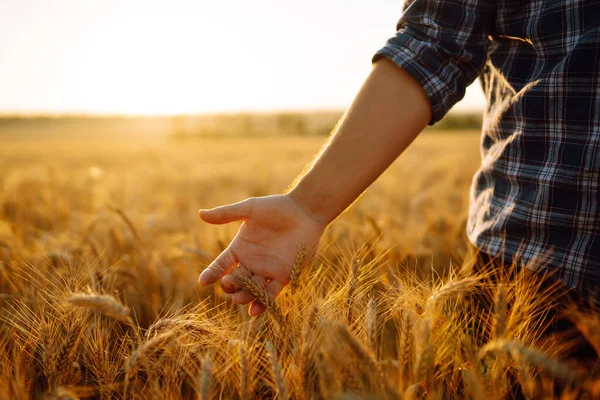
[424, 64]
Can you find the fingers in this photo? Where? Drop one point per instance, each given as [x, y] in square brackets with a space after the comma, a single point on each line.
[219, 267]
[229, 213]
[243, 297]
[229, 285]
[256, 309]
[273, 288]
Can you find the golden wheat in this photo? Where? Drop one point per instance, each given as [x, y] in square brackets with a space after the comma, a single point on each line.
[533, 357]
[106, 304]
[101, 302]
[297, 268]
[245, 281]
[500, 313]
[277, 373]
[205, 383]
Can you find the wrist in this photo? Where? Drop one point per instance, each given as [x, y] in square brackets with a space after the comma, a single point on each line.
[311, 206]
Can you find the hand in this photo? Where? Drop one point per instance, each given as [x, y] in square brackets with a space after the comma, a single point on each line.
[274, 229]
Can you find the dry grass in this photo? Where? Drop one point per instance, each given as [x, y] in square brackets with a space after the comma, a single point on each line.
[100, 249]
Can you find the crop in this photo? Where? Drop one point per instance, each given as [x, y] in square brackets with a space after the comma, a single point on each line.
[100, 249]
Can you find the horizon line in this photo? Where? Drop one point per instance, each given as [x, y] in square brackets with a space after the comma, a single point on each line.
[99, 114]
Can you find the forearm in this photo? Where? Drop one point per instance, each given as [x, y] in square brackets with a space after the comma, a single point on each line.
[390, 110]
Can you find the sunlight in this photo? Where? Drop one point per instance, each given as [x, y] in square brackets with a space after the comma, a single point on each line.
[146, 57]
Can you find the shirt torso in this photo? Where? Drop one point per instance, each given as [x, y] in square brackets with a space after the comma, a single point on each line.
[536, 194]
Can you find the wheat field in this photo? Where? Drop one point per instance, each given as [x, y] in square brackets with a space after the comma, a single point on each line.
[101, 247]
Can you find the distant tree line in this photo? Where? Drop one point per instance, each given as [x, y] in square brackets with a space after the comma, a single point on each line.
[182, 127]
[288, 124]
[258, 124]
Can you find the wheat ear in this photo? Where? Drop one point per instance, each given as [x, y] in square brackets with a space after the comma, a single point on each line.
[366, 358]
[449, 290]
[108, 305]
[297, 268]
[532, 356]
[67, 350]
[406, 350]
[261, 295]
[139, 353]
[425, 362]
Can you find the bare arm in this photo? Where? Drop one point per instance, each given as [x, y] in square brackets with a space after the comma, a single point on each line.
[388, 113]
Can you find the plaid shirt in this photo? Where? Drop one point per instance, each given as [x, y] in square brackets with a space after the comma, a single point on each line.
[536, 195]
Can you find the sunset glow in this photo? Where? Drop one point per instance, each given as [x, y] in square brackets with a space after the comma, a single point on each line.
[149, 57]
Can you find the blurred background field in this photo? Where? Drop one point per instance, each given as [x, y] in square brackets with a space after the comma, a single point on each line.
[182, 127]
[124, 211]
[53, 189]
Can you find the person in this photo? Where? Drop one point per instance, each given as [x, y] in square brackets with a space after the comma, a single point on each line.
[537, 190]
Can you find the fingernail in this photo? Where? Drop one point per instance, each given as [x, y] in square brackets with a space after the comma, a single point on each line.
[204, 278]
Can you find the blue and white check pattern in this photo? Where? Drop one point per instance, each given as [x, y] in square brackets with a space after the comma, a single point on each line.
[537, 193]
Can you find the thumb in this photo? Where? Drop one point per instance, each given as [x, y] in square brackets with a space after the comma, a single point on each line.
[225, 214]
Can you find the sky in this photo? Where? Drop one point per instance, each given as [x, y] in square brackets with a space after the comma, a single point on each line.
[178, 56]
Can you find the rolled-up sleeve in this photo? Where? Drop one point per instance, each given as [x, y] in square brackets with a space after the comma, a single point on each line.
[443, 45]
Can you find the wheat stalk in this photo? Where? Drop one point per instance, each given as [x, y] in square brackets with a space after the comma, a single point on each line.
[306, 367]
[365, 357]
[589, 328]
[371, 321]
[473, 376]
[277, 373]
[500, 313]
[527, 382]
[140, 352]
[352, 284]
[243, 371]
[205, 382]
[327, 383]
[61, 393]
[125, 219]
